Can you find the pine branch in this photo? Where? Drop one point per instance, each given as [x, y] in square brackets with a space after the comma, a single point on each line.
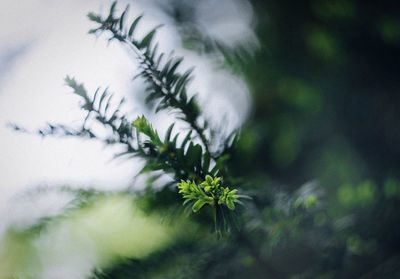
[99, 109]
[187, 161]
[165, 83]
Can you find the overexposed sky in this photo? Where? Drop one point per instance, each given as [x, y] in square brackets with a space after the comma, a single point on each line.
[41, 43]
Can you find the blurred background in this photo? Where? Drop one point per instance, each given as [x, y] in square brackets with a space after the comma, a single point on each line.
[313, 86]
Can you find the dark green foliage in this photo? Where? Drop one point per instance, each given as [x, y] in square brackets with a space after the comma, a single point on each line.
[324, 88]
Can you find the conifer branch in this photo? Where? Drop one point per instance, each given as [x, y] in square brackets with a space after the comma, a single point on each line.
[165, 83]
[187, 161]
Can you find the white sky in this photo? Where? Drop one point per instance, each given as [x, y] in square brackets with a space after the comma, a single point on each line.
[33, 93]
[42, 41]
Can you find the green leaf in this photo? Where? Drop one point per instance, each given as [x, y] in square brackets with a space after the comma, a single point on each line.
[153, 52]
[108, 103]
[183, 96]
[133, 25]
[102, 97]
[142, 126]
[186, 140]
[198, 205]
[165, 68]
[174, 140]
[178, 61]
[209, 180]
[183, 80]
[77, 87]
[112, 9]
[95, 94]
[121, 19]
[171, 71]
[160, 57]
[146, 41]
[193, 107]
[93, 17]
[168, 134]
[230, 204]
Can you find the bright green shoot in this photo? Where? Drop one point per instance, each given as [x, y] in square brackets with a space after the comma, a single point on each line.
[208, 192]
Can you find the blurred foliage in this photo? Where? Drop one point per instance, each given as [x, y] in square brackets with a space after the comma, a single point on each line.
[320, 153]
